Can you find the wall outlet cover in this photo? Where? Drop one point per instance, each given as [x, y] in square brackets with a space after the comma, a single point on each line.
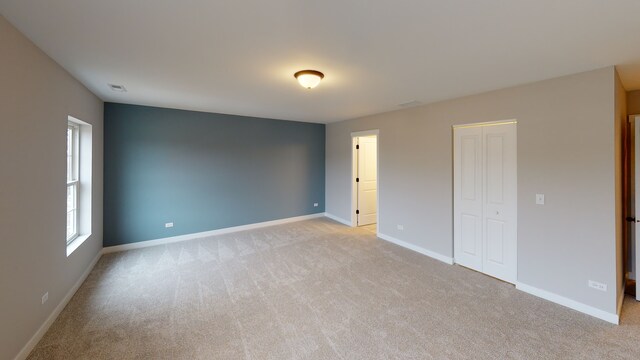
[597, 285]
[168, 225]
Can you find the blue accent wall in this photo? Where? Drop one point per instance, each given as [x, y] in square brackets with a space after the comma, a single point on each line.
[205, 171]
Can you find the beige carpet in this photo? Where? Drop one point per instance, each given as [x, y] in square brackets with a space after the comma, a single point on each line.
[316, 290]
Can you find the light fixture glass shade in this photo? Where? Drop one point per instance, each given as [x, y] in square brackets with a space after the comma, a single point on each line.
[309, 78]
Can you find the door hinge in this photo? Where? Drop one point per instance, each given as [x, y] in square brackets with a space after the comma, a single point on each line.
[357, 179]
[357, 147]
[357, 212]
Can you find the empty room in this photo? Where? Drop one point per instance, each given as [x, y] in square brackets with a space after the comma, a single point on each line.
[296, 179]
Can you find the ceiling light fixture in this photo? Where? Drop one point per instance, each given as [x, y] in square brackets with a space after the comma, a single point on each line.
[309, 78]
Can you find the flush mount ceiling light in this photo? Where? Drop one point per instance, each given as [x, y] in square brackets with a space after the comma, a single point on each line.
[309, 78]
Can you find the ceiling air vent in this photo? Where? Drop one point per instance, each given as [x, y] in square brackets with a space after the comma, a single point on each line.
[118, 88]
[410, 104]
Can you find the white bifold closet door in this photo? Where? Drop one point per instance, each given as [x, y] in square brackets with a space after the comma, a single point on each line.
[485, 199]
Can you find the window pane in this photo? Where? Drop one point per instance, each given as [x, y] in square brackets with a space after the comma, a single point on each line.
[72, 227]
[72, 152]
[71, 197]
[69, 153]
[71, 224]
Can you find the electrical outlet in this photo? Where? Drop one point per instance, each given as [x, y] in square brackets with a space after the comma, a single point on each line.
[401, 227]
[168, 225]
[597, 285]
[315, 204]
[45, 297]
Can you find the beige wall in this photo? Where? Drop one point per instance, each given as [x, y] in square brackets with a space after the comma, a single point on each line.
[565, 150]
[633, 102]
[36, 96]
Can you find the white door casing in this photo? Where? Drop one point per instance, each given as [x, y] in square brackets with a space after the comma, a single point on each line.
[635, 246]
[367, 180]
[485, 199]
[630, 264]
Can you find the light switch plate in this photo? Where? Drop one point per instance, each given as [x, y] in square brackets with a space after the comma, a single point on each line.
[540, 199]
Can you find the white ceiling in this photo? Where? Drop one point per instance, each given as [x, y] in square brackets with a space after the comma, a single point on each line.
[238, 57]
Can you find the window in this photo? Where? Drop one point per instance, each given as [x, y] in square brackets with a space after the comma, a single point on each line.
[79, 155]
[73, 183]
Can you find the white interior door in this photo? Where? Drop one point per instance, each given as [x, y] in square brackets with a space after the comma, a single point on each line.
[367, 180]
[485, 199]
[468, 197]
[634, 249]
[500, 199]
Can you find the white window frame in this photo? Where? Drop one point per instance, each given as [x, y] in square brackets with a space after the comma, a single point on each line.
[73, 178]
[79, 181]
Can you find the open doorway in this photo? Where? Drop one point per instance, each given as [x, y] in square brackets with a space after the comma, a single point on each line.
[364, 193]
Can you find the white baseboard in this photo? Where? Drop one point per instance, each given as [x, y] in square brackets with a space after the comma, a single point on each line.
[26, 350]
[572, 304]
[173, 239]
[423, 251]
[338, 219]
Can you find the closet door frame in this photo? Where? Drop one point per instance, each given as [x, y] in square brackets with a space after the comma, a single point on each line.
[458, 206]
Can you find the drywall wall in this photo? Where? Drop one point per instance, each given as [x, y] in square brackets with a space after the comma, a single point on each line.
[36, 96]
[205, 171]
[620, 137]
[565, 151]
[633, 102]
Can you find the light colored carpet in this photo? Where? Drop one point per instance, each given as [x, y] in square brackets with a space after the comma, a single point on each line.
[315, 290]
[372, 228]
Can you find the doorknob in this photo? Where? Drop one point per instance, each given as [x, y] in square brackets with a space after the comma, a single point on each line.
[631, 219]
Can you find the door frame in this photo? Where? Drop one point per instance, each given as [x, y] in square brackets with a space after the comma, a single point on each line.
[453, 193]
[629, 265]
[354, 171]
[635, 191]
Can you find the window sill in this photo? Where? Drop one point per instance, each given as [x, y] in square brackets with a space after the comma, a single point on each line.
[76, 243]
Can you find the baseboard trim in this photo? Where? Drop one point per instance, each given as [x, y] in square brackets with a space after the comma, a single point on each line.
[31, 344]
[421, 250]
[338, 219]
[572, 304]
[186, 237]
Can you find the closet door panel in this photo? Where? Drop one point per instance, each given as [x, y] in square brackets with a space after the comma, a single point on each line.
[500, 197]
[468, 197]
